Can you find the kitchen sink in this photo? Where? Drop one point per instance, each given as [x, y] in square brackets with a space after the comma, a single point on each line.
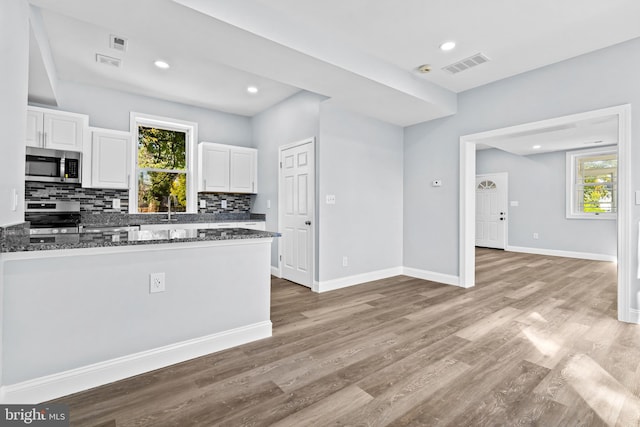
[170, 234]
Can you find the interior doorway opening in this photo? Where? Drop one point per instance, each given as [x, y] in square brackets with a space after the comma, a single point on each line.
[468, 146]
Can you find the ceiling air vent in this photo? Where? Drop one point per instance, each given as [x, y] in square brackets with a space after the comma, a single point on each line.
[108, 60]
[118, 43]
[466, 63]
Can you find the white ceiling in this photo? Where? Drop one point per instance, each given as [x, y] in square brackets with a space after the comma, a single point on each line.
[361, 53]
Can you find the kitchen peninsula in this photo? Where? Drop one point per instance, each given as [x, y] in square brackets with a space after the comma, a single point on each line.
[114, 305]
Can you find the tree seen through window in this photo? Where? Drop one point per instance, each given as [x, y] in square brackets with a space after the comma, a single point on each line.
[162, 170]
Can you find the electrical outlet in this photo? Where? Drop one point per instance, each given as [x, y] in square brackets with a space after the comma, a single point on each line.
[223, 203]
[331, 199]
[268, 204]
[203, 203]
[156, 283]
[345, 261]
[536, 236]
[115, 203]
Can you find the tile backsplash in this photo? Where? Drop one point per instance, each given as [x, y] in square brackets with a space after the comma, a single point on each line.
[97, 200]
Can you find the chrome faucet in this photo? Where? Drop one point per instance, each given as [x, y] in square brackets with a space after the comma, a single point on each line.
[169, 197]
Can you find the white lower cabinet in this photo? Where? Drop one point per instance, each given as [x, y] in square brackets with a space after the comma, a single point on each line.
[108, 162]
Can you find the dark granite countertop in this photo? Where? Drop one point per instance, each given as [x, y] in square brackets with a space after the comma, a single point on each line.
[118, 219]
[17, 240]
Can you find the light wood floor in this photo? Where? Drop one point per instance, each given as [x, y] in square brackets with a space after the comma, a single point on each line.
[536, 342]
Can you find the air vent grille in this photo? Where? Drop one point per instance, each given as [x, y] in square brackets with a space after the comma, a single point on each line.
[466, 63]
[108, 60]
[118, 43]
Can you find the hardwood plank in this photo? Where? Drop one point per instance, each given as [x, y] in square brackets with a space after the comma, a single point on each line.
[535, 342]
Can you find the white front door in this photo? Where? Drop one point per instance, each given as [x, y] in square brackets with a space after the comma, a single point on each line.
[297, 195]
[491, 210]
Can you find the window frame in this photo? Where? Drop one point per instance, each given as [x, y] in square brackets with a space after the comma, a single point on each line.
[571, 168]
[191, 138]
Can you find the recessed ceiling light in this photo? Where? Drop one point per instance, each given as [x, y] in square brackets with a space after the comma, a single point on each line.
[252, 89]
[161, 64]
[447, 45]
[537, 147]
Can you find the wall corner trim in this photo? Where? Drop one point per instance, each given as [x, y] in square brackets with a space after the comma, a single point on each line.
[75, 380]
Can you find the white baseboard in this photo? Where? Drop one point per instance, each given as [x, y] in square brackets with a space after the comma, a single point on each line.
[634, 316]
[275, 271]
[75, 380]
[565, 254]
[343, 282]
[432, 276]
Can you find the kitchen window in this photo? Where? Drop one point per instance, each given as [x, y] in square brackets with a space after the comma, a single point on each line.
[592, 183]
[164, 162]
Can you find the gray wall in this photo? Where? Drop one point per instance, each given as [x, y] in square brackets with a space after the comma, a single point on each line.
[538, 183]
[14, 48]
[55, 321]
[294, 119]
[361, 164]
[110, 109]
[596, 80]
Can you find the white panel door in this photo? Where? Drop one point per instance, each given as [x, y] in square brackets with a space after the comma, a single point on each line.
[297, 206]
[491, 210]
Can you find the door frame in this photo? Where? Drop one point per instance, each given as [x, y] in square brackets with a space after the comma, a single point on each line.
[625, 245]
[312, 141]
[505, 175]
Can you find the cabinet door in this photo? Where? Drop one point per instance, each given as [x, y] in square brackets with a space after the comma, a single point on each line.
[243, 171]
[214, 167]
[63, 132]
[110, 159]
[34, 128]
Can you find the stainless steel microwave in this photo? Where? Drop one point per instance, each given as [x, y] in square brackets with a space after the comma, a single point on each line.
[52, 166]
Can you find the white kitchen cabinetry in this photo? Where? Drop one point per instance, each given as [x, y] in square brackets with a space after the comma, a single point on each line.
[56, 130]
[108, 159]
[213, 166]
[227, 168]
[243, 170]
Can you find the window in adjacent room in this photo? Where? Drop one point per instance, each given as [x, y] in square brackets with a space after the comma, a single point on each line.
[164, 165]
[592, 183]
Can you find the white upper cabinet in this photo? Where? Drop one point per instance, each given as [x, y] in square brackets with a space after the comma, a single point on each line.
[226, 168]
[243, 168]
[54, 129]
[213, 167]
[109, 159]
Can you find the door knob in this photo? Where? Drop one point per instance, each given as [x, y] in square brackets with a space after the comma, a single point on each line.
[307, 222]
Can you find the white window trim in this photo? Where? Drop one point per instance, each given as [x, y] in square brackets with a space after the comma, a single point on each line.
[570, 180]
[191, 130]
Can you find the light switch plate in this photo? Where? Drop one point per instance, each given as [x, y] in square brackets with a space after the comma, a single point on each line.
[115, 203]
[223, 203]
[514, 203]
[331, 199]
[203, 203]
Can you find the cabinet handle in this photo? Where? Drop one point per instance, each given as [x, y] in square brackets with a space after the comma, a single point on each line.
[40, 139]
[44, 139]
[204, 185]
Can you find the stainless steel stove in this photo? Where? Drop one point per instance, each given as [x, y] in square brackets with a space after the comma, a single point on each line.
[53, 221]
